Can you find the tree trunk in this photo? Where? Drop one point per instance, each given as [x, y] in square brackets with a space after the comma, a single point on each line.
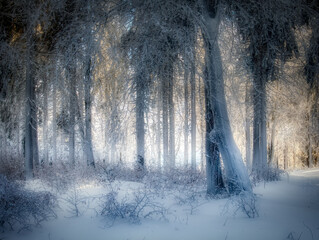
[272, 141]
[140, 123]
[247, 129]
[30, 109]
[54, 122]
[71, 71]
[45, 123]
[158, 130]
[186, 112]
[171, 110]
[259, 125]
[35, 134]
[88, 116]
[165, 124]
[236, 173]
[215, 182]
[312, 101]
[310, 159]
[286, 164]
[193, 115]
[294, 156]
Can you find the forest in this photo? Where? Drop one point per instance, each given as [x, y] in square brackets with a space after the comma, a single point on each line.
[126, 110]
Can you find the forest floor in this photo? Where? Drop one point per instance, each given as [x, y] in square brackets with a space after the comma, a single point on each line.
[287, 209]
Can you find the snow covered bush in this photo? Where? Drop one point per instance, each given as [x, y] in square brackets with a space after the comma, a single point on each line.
[62, 176]
[270, 174]
[133, 208]
[115, 171]
[244, 202]
[273, 174]
[22, 209]
[11, 166]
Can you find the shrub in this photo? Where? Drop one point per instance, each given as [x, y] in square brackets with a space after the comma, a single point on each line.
[244, 202]
[131, 209]
[20, 208]
[11, 166]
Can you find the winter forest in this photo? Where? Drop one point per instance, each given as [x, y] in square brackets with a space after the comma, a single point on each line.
[167, 119]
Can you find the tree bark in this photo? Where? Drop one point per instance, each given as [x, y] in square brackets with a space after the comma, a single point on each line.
[259, 124]
[272, 141]
[30, 116]
[193, 115]
[88, 116]
[247, 129]
[45, 123]
[215, 182]
[165, 124]
[54, 122]
[140, 123]
[310, 159]
[158, 130]
[286, 164]
[236, 173]
[186, 112]
[171, 110]
[71, 71]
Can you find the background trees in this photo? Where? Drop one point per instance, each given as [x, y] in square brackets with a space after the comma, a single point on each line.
[137, 82]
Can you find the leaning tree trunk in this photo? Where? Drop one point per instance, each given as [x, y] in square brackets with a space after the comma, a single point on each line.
[215, 182]
[236, 174]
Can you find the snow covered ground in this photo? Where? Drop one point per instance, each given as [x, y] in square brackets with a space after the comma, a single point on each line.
[288, 209]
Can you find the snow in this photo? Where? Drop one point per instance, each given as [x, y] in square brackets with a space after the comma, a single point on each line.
[288, 209]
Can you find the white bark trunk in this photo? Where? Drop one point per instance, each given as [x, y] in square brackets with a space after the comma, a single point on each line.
[236, 173]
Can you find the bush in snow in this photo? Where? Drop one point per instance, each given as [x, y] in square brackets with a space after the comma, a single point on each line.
[62, 176]
[11, 166]
[273, 174]
[131, 208]
[270, 174]
[115, 171]
[244, 202]
[20, 208]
